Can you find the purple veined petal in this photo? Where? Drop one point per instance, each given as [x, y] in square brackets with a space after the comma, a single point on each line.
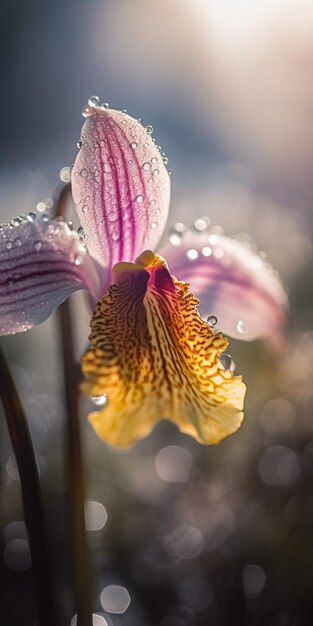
[41, 263]
[232, 283]
[121, 187]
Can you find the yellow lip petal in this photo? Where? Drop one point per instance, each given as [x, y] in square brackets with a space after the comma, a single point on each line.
[154, 357]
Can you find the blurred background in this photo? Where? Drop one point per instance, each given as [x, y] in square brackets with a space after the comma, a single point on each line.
[179, 534]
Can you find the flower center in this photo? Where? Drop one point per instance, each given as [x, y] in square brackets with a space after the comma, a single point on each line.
[154, 357]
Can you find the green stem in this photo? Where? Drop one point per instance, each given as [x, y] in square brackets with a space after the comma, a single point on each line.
[31, 494]
[75, 462]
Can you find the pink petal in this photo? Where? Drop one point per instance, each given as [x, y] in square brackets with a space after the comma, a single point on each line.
[41, 264]
[120, 186]
[232, 282]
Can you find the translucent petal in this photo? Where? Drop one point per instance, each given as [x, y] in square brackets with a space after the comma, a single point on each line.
[121, 187]
[154, 357]
[232, 282]
[41, 263]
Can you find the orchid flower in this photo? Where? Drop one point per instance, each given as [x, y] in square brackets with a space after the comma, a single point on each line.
[152, 355]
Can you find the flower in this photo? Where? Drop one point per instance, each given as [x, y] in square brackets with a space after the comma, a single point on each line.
[151, 355]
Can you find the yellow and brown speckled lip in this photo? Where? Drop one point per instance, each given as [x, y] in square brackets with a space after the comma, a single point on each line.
[155, 358]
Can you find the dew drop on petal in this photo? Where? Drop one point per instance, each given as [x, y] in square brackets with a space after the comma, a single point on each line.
[175, 239]
[213, 240]
[201, 224]
[65, 174]
[140, 199]
[219, 253]
[242, 327]
[41, 206]
[8, 244]
[93, 101]
[37, 245]
[192, 254]
[146, 166]
[134, 145]
[100, 400]
[206, 251]
[180, 227]
[212, 320]
[226, 361]
[154, 225]
[31, 216]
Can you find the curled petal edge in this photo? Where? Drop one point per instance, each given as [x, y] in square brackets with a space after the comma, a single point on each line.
[41, 263]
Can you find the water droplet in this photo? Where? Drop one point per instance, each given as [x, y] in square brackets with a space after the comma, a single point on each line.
[77, 259]
[8, 244]
[84, 172]
[116, 235]
[100, 400]
[218, 253]
[87, 111]
[45, 217]
[84, 208]
[154, 225]
[134, 145]
[104, 106]
[226, 361]
[31, 216]
[180, 227]
[17, 242]
[201, 224]
[93, 101]
[156, 172]
[206, 251]
[213, 240]
[79, 144]
[154, 160]
[165, 160]
[175, 239]
[192, 254]
[212, 320]
[140, 199]
[149, 129]
[17, 221]
[81, 232]
[242, 327]
[38, 245]
[146, 166]
[65, 174]
[41, 206]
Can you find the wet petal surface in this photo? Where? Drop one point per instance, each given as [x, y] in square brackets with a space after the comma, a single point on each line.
[41, 263]
[120, 185]
[155, 357]
[232, 282]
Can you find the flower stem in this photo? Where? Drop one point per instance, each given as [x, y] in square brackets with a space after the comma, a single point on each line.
[76, 472]
[31, 494]
[75, 462]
